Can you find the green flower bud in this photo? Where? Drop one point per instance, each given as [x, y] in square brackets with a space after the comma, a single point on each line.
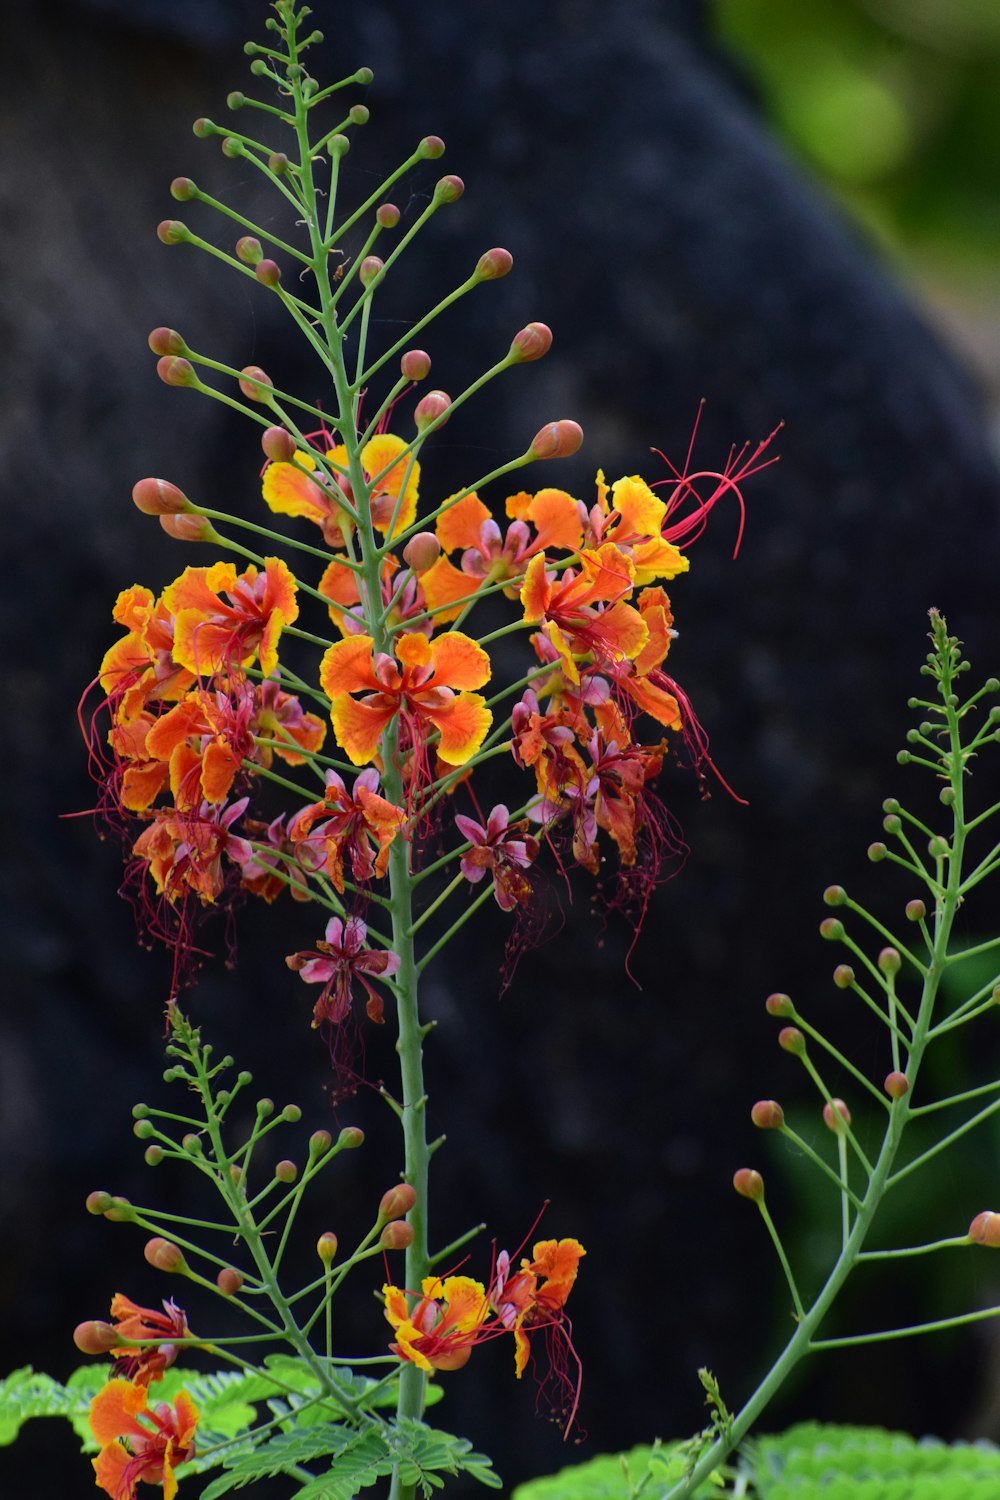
[265, 1107]
[938, 848]
[192, 1144]
[268, 273]
[204, 128]
[231, 147]
[291, 1114]
[387, 215]
[359, 114]
[779, 1005]
[415, 364]
[493, 264]
[166, 341]
[153, 1155]
[448, 189]
[889, 961]
[120, 1211]
[433, 407]
[370, 267]
[832, 929]
[835, 895]
[143, 1129]
[173, 370]
[791, 1039]
[183, 189]
[236, 100]
[255, 383]
[430, 148]
[916, 911]
[249, 250]
[876, 853]
[279, 163]
[350, 1138]
[843, 976]
[364, 76]
[890, 805]
[533, 342]
[98, 1202]
[286, 1171]
[320, 1142]
[172, 232]
[326, 1247]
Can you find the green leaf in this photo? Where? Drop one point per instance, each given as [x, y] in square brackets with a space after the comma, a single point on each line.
[813, 1461]
[615, 1476]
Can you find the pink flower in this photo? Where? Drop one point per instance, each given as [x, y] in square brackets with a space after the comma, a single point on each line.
[505, 857]
[342, 958]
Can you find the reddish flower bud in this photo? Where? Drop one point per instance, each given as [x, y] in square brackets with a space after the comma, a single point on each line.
[532, 343]
[267, 272]
[396, 1236]
[286, 1171]
[916, 911]
[397, 1201]
[165, 1255]
[229, 1281]
[430, 148]
[279, 163]
[790, 1039]
[387, 215]
[326, 1247]
[985, 1230]
[431, 408]
[415, 364]
[556, 440]
[153, 1155]
[494, 264]
[249, 250]
[832, 929]
[889, 961]
[370, 268]
[835, 895]
[172, 232]
[422, 551]
[836, 1115]
[320, 1142]
[278, 445]
[173, 370]
[255, 383]
[158, 497]
[843, 976]
[779, 1005]
[749, 1184]
[350, 1138]
[448, 189]
[190, 528]
[896, 1085]
[94, 1337]
[166, 341]
[767, 1114]
[98, 1202]
[183, 189]
[119, 1211]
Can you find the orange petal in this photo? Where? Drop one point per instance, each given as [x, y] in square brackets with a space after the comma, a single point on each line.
[218, 770]
[536, 591]
[556, 518]
[463, 724]
[289, 491]
[141, 785]
[134, 608]
[109, 1471]
[281, 591]
[623, 630]
[359, 726]
[375, 456]
[447, 590]
[339, 584]
[640, 512]
[186, 1418]
[658, 559]
[459, 661]
[114, 1409]
[347, 667]
[655, 701]
[461, 524]
[517, 506]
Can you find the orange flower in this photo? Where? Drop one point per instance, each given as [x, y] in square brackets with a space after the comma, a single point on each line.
[566, 605]
[296, 489]
[535, 1296]
[141, 665]
[634, 521]
[211, 635]
[132, 1449]
[141, 1324]
[348, 821]
[418, 684]
[444, 1326]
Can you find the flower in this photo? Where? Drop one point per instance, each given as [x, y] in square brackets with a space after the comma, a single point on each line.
[565, 605]
[142, 1324]
[493, 849]
[342, 958]
[445, 1324]
[132, 1449]
[184, 849]
[211, 635]
[346, 821]
[535, 1296]
[297, 489]
[419, 685]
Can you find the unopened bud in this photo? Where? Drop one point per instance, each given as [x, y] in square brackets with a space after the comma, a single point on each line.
[889, 961]
[192, 1144]
[172, 232]
[985, 1230]
[255, 383]
[749, 1184]
[892, 823]
[153, 1155]
[190, 528]
[279, 163]
[494, 264]
[165, 1255]
[183, 189]
[835, 895]
[236, 1175]
[916, 911]
[767, 1114]
[278, 445]
[415, 364]
[119, 1211]
[291, 1114]
[397, 1201]
[230, 146]
[422, 551]
[832, 929]
[249, 250]
[98, 1202]
[779, 1005]
[94, 1337]
[338, 145]
[229, 1281]
[396, 1236]
[448, 189]
[843, 976]
[876, 853]
[286, 1171]
[204, 128]
[158, 497]
[938, 848]
[166, 341]
[320, 1142]
[790, 1039]
[431, 147]
[236, 100]
[433, 407]
[556, 440]
[532, 343]
[267, 272]
[350, 1138]
[265, 1107]
[326, 1247]
[896, 1085]
[173, 370]
[836, 1115]
[387, 216]
[359, 114]
[370, 268]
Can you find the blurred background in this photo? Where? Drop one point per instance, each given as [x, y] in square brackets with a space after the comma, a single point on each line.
[788, 211]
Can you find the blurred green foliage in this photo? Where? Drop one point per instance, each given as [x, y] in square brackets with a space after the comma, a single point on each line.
[894, 104]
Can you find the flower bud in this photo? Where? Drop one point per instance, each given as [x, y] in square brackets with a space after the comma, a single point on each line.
[164, 1255]
[174, 370]
[779, 1005]
[938, 848]
[359, 114]
[832, 929]
[790, 1039]
[836, 1115]
[236, 100]
[396, 1236]
[95, 1337]
[338, 145]
[326, 1247]
[267, 272]
[835, 895]
[430, 148]
[415, 364]
[192, 1144]
[183, 189]
[556, 440]
[364, 76]
[916, 911]
[350, 1138]
[166, 341]
[320, 1142]
[494, 264]
[985, 1230]
[158, 497]
[767, 1114]
[889, 961]
[279, 163]
[119, 1211]
[190, 528]
[892, 824]
[143, 1129]
[291, 1114]
[98, 1202]
[153, 1155]
[286, 1171]
[370, 268]
[265, 1107]
[397, 1201]
[896, 1085]
[229, 1281]
[249, 250]
[843, 976]
[532, 343]
[255, 383]
[431, 408]
[387, 216]
[448, 189]
[236, 1175]
[172, 232]
[422, 551]
[231, 147]
[749, 1184]
[204, 128]
[876, 853]
[278, 445]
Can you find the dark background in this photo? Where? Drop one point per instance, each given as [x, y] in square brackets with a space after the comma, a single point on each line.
[677, 253]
